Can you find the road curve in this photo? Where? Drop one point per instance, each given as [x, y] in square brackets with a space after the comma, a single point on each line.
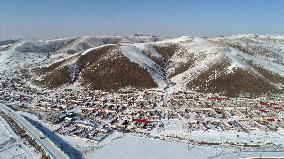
[52, 150]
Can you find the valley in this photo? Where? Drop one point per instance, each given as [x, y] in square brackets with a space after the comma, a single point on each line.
[223, 93]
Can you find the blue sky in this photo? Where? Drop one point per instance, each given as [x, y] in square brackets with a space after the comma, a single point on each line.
[66, 18]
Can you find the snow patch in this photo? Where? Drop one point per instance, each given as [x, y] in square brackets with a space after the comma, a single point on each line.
[135, 55]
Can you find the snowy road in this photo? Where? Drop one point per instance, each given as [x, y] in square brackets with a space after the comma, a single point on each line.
[46, 144]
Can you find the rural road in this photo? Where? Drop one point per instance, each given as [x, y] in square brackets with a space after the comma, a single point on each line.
[52, 150]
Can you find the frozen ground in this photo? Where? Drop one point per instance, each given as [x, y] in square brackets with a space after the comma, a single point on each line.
[4, 133]
[60, 149]
[125, 146]
[11, 146]
[177, 128]
[130, 147]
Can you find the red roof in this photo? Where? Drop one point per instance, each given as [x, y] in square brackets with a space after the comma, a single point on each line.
[264, 103]
[96, 109]
[276, 107]
[141, 121]
[263, 110]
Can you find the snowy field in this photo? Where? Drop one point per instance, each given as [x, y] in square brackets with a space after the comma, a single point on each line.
[130, 147]
[4, 133]
[121, 146]
[11, 146]
[125, 146]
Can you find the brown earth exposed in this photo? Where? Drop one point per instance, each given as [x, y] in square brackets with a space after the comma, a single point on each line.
[118, 73]
[166, 51]
[273, 77]
[181, 68]
[55, 78]
[254, 49]
[230, 84]
[94, 55]
[52, 67]
[104, 68]
[159, 61]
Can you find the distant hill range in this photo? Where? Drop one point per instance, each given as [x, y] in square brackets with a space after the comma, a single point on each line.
[230, 65]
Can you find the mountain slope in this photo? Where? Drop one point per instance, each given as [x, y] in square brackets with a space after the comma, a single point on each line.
[232, 65]
[106, 67]
[217, 67]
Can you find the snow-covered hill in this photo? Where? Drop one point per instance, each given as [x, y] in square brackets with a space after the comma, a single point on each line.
[220, 65]
[231, 65]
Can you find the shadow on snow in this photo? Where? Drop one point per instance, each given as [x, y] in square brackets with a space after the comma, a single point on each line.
[70, 151]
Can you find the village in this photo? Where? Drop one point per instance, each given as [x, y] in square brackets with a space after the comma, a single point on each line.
[97, 114]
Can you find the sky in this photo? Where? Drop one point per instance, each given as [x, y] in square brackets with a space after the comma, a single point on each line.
[68, 18]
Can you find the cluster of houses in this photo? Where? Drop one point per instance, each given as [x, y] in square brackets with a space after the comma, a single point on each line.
[97, 114]
[221, 113]
[16, 91]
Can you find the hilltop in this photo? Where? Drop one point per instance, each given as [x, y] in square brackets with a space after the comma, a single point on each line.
[230, 65]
